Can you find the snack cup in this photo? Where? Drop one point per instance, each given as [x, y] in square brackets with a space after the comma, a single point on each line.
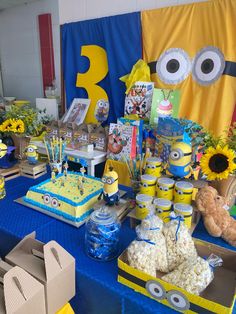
[143, 205]
[148, 185]
[165, 187]
[153, 166]
[186, 211]
[183, 192]
[163, 208]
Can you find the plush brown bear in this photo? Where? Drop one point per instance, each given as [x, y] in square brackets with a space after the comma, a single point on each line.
[217, 219]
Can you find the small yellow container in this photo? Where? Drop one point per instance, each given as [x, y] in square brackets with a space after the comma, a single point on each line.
[186, 211]
[163, 208]
[153, 166]
[143, 205]
[183, 192]
[148, 185]
[165, 187]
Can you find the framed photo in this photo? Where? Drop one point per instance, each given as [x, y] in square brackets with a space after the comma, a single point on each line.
[77, 111]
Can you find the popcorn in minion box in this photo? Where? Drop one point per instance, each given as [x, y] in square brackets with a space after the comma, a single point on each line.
[111, 194]
[31, 153]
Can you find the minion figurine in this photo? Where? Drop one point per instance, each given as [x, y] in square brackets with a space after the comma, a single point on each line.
[7, 159]
[179, 164]
[111, 194]
[2, 187]
[31, 153]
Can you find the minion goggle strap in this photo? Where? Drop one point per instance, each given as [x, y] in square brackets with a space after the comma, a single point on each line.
[165, 188]
[109, 180]
[177, 154]
[3, 150]
[175, 298]
[150, 166]
[182, 192]
[145, 185]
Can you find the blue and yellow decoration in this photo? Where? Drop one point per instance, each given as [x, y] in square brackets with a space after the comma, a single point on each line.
[153, 166]
[148, 185]
[110, 193]
[165, 188]
[31, 153]
[183, 192]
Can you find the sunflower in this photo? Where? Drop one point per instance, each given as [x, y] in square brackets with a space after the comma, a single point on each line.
[7, 125]
[19, 126]
[217, 163]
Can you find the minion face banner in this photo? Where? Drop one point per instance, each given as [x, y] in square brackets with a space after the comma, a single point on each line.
[192, 48]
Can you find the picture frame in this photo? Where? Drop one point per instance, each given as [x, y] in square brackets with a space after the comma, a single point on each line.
[77, 111]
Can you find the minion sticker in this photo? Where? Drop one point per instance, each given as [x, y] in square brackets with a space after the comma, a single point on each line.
[31, 153]
[111, 194]
[199, 61]
[102, 110]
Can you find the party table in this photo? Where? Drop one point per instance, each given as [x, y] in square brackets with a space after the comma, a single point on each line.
[97, 289]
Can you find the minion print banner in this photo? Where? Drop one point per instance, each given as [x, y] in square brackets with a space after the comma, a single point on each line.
[192, 48]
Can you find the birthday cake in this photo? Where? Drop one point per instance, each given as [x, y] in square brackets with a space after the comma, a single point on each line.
[64, 198]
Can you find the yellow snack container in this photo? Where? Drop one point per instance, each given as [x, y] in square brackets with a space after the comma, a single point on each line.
[165, 187]
[143, 205]
[186, 211]
[163, 208]
[153, 166]
[183, 192]
[148, 185]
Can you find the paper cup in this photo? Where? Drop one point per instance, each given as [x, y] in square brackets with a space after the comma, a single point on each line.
[153, 166]
[143, 205]
[163, 208]
[186, 211]
[183, 192]
[165, 188]
[148, 185]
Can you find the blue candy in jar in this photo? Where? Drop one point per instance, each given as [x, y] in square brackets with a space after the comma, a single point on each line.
[102, 235]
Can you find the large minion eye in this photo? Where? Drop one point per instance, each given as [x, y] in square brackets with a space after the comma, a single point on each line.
[46, 198]
[149, 166]
[175, 155]
[156, 290]
[140, 205]
[30, 150]
[173, 66]
[104, 180]
[180, 192]
[178, 300]
[145, 185]
[165, 188]
[208, 65]
[54, 202]
[109, 181]
[159, 210]
[161, 188]
[100, 104]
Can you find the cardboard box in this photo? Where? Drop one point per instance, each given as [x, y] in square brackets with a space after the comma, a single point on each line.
[20, 293]
[49, 263]
[218, 297]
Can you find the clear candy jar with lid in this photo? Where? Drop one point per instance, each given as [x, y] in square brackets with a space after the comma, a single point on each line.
[102, 235]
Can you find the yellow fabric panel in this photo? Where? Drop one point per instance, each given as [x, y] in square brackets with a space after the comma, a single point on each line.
[121, 169]
[67, 309]
[193, 27]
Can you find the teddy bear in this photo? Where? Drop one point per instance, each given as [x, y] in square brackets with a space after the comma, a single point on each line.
[217, 219]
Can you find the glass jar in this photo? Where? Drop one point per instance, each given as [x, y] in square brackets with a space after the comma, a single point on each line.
[102, 235]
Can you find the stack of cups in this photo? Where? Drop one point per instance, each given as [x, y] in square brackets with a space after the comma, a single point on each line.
[143, 206]
[165, 188]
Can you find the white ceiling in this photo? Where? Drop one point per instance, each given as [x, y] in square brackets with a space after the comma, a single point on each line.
[4, 4]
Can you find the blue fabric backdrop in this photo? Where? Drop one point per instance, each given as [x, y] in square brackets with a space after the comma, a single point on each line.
[120, 36]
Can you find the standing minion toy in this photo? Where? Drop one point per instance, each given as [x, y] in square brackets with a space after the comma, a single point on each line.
[179, 164]
[111, 194]
[31, 153]
[2, 187]
[153, 166]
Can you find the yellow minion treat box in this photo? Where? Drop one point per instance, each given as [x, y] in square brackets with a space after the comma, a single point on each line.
[31, 153]
[148, 185]
[153, 166]
[186, 211]
[218, 297]
[165, 188]
[143, 206]
[2, 187]
[163, 208]
[183, 192]
[110, 193]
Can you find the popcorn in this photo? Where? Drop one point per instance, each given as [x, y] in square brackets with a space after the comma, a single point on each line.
[179, 243]
[193, 275]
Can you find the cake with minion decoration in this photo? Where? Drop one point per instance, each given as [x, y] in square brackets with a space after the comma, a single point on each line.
[70, 197]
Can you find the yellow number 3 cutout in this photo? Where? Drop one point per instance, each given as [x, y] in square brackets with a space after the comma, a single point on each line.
[96, 73]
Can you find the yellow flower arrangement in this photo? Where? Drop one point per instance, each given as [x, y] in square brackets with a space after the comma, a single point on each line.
[12, 125]
[218, 163]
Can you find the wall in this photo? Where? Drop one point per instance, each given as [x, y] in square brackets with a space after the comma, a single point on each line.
[77, 10]
[19, 48]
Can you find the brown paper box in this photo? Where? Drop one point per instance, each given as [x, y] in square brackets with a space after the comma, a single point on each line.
[99, 139]
[56, 270]
[20, 292]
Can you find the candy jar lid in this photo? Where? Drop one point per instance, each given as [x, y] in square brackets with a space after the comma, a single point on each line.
[103, 216]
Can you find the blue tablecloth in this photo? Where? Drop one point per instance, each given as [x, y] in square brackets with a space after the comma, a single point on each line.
[98, 291]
